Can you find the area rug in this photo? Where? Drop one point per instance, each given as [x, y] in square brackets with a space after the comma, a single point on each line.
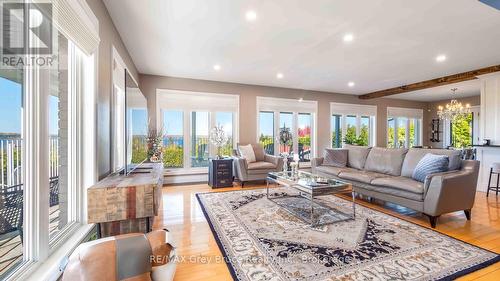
[261, 240]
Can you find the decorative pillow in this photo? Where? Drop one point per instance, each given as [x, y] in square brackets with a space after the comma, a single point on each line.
[246, 151]
[336, 157]
[260, 153]
[356, 156]
[430, 164]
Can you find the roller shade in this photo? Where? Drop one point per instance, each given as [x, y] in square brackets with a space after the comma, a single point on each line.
[405, 112]
[354, 109]
[76, 21]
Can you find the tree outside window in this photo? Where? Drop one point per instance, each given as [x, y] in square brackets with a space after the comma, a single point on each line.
[461, 131]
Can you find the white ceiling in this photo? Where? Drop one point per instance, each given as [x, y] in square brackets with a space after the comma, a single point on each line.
[395, 42]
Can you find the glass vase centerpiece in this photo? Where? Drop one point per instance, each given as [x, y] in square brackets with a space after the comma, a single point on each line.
[218, 138]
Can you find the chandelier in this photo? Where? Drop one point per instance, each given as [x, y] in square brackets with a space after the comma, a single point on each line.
[453, 110]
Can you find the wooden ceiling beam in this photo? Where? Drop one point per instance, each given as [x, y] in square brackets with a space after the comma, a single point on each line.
[441, 81]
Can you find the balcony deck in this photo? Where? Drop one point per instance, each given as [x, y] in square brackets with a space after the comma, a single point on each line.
[11, 249]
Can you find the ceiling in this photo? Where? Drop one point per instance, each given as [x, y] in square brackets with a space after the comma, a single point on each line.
[395, 42]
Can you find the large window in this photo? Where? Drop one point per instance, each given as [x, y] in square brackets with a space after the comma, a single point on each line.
[304, 134]
[285, 133]
[47, 143]
[352, 124]
[199, 139]
[286, 127]
[187, 119]
[12, 179]
[266, 131]
[225, 120]
[404, 127]
[173, 141]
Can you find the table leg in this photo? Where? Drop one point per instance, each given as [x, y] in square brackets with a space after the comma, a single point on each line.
[267, 188]
[312, 210]
[353, 204]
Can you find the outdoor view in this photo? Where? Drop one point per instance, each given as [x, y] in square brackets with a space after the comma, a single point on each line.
[401, 140]
[266, 134]
[351, 136]
[286, 133]
[11, 190]
[461, 131]
[174, 147]
[139, 135]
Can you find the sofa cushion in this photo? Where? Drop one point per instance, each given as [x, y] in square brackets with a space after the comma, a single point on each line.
[336, 157]
[401, 183]
[360, 176]
[430, 164]
[246, 151]
[329, 170]
[385, 160]
[261, 165]
[415, 154]
[392, 191]
[356, 156]
[258, 150]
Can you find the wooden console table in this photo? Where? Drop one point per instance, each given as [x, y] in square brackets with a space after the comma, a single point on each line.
[124, 204]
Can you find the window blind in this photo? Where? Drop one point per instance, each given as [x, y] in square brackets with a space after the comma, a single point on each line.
[76, 21]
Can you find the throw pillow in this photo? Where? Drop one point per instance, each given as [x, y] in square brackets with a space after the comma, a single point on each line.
[260, 153]
[430, 164]
[246, 151]
[336, 157]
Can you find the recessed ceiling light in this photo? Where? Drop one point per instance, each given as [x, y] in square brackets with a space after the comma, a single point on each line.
[348, 37]
[216, 67]
[279, 75]
[441, 58]
[251, 15]
[350, 84]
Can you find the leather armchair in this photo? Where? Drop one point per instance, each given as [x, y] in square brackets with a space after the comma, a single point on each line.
[259, 169]
[134, 256]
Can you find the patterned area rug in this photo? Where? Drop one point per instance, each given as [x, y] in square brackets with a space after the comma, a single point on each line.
[263, 241]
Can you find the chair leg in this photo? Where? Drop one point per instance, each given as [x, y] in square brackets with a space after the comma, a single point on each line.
[489, 181]
[498, 181]
[242, 184]
[433, 220]
[467, 214]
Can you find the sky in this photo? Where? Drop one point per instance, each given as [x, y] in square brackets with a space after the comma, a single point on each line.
[10, 106]
[139, 122]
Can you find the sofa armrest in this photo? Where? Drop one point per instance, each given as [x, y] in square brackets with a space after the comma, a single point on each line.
[452, 191]
[276, 160]
[316, 162]
[240, 168]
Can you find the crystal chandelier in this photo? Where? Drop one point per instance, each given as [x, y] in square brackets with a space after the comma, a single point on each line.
[453, 110]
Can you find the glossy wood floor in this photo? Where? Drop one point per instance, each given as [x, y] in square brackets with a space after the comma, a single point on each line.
[182, 215]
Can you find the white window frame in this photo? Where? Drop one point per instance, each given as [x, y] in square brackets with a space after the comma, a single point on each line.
[188, 102]
[296, 107]
[359, 111]
[43, 257]
[409, 114]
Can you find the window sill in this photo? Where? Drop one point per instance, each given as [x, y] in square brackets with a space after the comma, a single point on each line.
[50, 269]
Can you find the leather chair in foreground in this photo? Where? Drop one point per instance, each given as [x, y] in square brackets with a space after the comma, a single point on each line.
[131, 257]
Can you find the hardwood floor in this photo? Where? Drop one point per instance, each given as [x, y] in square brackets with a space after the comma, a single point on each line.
[182, 215]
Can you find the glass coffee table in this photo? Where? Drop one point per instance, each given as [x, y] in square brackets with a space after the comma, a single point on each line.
[306, 188]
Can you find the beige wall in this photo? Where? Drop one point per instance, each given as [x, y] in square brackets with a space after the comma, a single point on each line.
[109, 37]
[432, 113]
[248, 94]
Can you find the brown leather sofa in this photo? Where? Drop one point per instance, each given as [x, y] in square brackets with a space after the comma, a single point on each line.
[131, 257]
[386, 174]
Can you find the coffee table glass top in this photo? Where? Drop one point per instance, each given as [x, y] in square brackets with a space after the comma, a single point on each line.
[307, 180]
